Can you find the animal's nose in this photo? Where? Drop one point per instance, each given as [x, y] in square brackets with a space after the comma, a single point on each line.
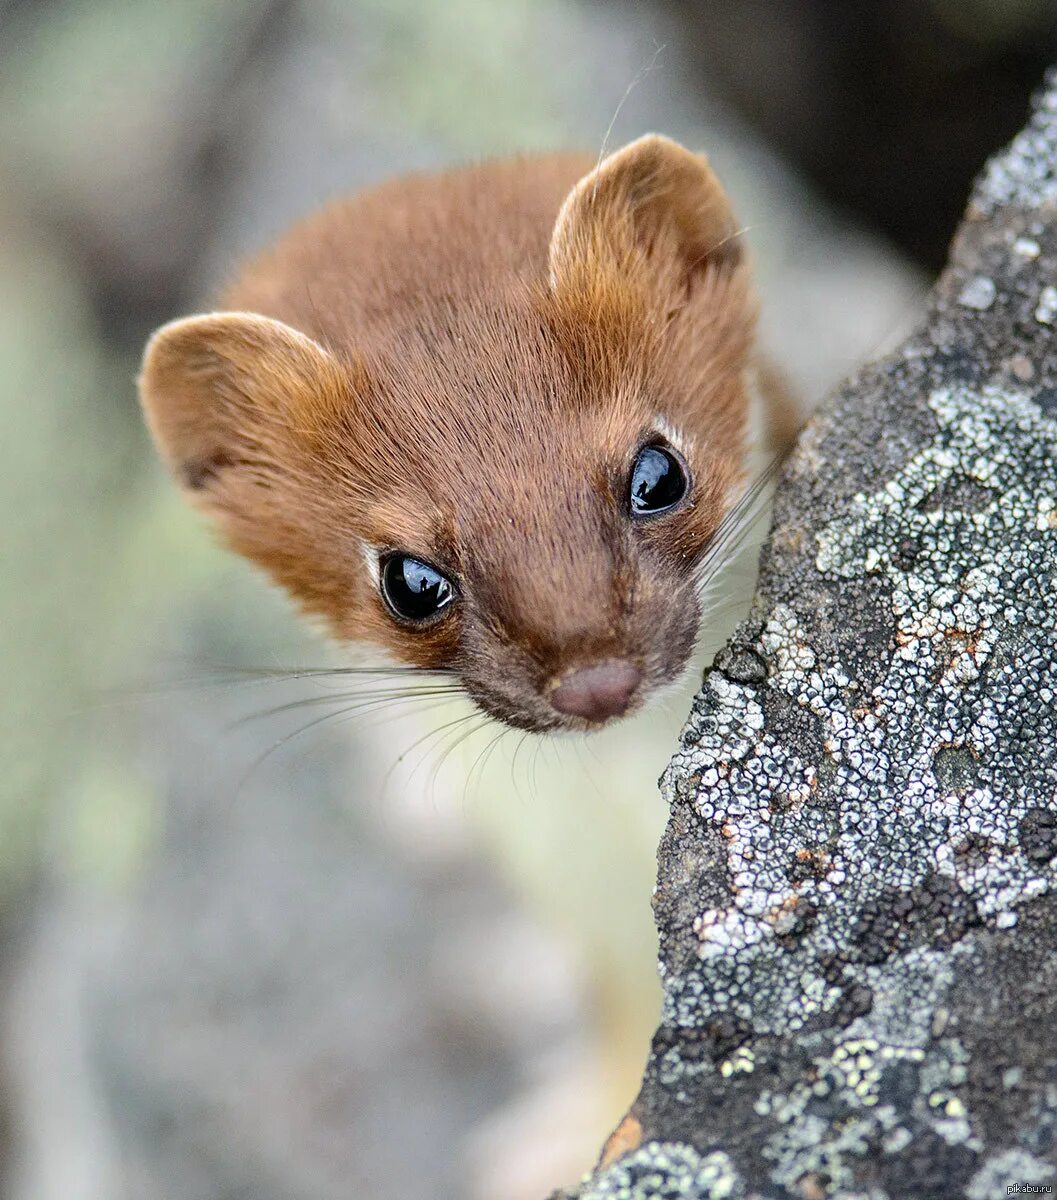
[597, 692]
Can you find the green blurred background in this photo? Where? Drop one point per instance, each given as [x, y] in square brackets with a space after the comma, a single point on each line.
[338, 973]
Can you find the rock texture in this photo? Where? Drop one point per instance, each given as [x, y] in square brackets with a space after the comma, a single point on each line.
[857, 898]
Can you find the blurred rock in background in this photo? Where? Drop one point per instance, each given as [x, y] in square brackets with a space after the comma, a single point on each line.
[340, 971]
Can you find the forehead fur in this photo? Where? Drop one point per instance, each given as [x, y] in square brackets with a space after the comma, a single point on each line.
[518, 282]
[457, 404]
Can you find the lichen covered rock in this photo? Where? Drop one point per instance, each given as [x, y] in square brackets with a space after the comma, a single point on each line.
[857, 897]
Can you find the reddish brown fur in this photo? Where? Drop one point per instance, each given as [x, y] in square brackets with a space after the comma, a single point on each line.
[470, 382]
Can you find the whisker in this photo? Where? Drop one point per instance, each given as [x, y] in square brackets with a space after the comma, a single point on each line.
[482, 761]
[579, 744]
[369, 721]
[740, 517]
[301, 672]
[446, 746]
[447, 751]
[534, 765]
[733, 548]
[639, 76]
[285, 740]
[513, 764]
[418, 742]
[724, 241]
[350, 711]
[341, 697]
[234, 677]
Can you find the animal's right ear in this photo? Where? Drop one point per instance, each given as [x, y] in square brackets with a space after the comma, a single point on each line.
[229, 392]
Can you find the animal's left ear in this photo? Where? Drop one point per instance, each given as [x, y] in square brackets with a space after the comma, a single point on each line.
[651, 207]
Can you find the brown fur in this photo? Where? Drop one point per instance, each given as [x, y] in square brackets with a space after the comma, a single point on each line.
[463, 367]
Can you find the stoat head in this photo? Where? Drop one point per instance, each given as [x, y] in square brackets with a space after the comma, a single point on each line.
[515, 481]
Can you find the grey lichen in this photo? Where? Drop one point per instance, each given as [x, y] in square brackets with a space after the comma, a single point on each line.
[1025, 174]
[1046, 309]
[1016, 1168]
[666, 1172]
[861, 983]
[979, 292]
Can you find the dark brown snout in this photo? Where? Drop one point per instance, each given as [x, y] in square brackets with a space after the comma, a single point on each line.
[597, 692]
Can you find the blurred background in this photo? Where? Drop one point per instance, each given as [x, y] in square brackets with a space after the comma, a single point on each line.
[240, 956]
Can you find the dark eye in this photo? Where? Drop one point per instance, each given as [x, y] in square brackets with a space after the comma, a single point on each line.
[413, 589]
[658, 481]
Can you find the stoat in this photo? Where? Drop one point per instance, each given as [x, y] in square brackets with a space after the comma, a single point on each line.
[488, 420]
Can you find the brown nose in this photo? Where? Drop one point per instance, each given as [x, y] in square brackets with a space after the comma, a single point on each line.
[597, 692]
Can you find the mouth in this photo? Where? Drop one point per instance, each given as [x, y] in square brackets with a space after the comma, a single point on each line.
[582, 699]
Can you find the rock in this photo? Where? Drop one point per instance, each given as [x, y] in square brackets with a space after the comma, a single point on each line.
[869, 950]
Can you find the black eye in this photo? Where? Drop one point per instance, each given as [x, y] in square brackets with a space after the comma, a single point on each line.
[658, 481]
[413, 589]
